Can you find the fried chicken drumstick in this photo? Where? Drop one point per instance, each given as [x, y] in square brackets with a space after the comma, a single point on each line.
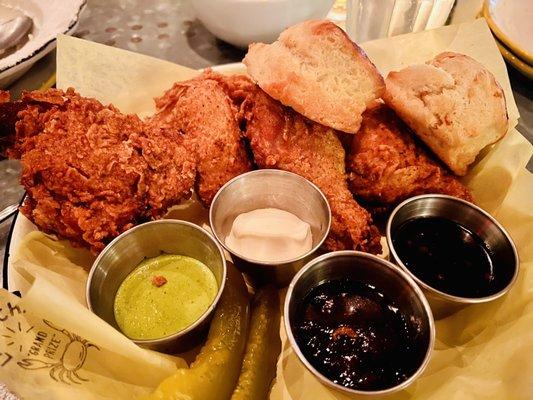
[386, 165]
[91, 172]
[202, 110]
[281, 138]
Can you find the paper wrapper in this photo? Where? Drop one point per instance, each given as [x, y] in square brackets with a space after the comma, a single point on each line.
[482, 352]
[53, 347]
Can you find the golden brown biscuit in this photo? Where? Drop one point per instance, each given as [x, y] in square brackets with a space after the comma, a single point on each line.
[318, 71]
[453, 103]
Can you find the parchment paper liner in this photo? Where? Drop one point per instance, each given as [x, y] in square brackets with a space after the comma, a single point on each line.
[482, 352]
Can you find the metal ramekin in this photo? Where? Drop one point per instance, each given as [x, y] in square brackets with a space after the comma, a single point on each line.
[471, 217]
[151, 239]
[366, 268]
[277, 189]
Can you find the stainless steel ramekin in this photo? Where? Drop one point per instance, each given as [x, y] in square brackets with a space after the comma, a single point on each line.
[365, 268]
[472, 218]
[270, 188]
[152, 239]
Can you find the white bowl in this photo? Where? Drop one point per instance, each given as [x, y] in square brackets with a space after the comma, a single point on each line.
[50, 18]
[241, 22]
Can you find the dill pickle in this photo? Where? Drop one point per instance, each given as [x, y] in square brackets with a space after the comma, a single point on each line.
[214, 373]
[263, 348]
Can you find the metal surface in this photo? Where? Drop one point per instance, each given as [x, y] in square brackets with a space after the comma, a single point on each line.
[474, 219]
[367, 268]
[270, 188]
[166, 29]
[9, 187]
[8, 211]
[152, 239]
[237, 22]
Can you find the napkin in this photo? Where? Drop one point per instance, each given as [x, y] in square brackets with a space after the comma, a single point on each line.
[53, 347]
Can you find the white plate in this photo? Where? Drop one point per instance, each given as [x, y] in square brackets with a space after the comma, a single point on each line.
[21, 225]
[512, 22]
[50, 18]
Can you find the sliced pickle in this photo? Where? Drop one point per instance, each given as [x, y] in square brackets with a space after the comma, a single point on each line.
[214, 373]
[263, 348]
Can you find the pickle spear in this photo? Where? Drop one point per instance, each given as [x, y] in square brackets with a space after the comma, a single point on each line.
[214, 373]
[263, 348]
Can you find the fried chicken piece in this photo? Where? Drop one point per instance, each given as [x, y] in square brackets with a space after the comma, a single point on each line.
[5, 96]
[8, 118]
[387, 165]
[202, 110]
[238, 87]
[281, 138]
[91, 172]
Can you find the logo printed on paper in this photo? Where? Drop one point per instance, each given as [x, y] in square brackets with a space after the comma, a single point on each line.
[13, 331]
[71, 361]
[62, 352]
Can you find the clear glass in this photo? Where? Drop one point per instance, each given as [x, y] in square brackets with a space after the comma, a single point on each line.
[374, 19]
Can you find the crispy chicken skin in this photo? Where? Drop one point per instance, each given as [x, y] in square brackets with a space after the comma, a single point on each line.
[281, 138]
[91, 172]
[8, 118]
[238, 87]
[202, 110]
[386, 164]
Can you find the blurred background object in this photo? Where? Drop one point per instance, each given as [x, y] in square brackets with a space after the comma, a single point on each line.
[28, 29]
[9, 187]
[369, 20]
[511, 24]
[241, 22]
[14, 29]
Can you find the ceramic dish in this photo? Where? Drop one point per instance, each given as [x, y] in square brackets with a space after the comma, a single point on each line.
[241, 22]
[510, 20]
[517, 63]
[50, 18]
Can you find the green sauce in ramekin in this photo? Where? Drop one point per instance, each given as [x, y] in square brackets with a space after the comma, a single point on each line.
[163, 295]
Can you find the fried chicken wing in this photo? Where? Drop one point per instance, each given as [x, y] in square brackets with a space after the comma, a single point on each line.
[8, 118]
[91, 172]
[386, 164]
[281, 138]
[202, 110]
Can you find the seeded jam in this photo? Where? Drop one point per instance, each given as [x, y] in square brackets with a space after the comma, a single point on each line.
[354, 335]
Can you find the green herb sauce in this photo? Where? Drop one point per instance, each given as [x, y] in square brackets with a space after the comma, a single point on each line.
[144, 310]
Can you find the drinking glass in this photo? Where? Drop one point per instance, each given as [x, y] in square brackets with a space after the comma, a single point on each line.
[374, 19]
